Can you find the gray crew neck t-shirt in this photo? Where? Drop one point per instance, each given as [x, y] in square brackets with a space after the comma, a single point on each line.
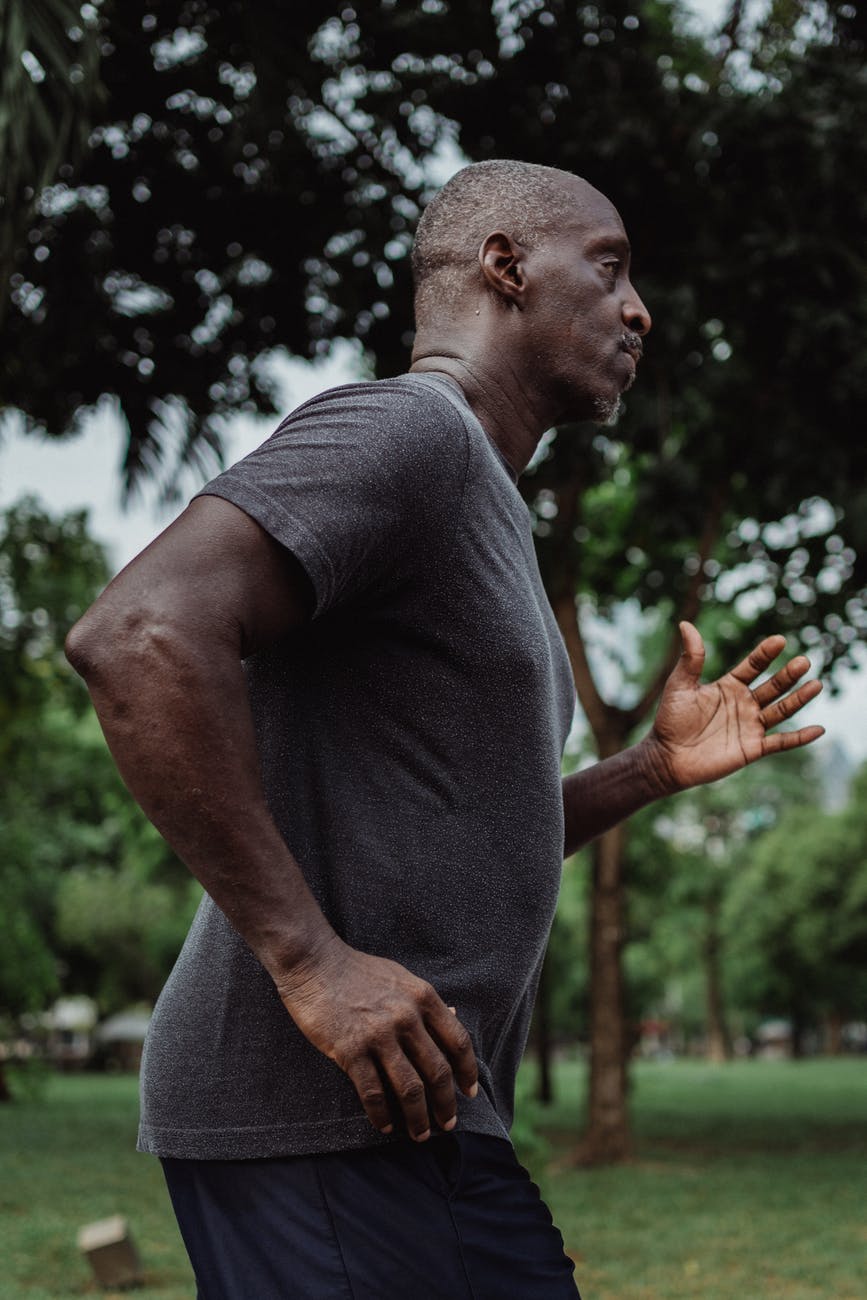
[410, 739]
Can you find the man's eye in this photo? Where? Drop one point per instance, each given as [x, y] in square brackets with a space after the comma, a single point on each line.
[613, 267]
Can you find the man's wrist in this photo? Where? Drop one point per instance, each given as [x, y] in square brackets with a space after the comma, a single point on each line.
[293, 965]
[654, 769]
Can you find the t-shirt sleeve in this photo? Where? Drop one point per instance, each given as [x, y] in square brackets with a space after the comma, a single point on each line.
[360, 484]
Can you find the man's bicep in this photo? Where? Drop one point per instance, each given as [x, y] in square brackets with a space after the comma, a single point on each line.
[257, 580]
[215, 570]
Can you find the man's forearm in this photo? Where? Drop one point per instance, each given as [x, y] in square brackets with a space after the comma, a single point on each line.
[178, 722]
[598, 797]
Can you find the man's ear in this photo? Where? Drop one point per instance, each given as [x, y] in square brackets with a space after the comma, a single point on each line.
[502, 263]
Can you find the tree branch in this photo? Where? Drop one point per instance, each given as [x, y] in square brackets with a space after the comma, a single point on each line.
[689, 607]
[604, 720]
[731, 30]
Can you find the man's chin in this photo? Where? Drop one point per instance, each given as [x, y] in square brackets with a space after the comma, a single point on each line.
[606, 410]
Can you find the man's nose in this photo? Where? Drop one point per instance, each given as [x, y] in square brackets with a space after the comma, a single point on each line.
[636, 317]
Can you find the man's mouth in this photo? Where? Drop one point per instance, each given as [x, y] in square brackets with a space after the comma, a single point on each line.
[632, 344]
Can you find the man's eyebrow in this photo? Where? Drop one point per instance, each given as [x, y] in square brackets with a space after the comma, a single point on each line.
[612, 242]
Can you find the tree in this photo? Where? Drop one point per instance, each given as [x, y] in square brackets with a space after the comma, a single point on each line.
[684, 859]
[81, 865]
[48, 57]
[796, 917]
[176, 244]
[561, 1001]
[49, 572]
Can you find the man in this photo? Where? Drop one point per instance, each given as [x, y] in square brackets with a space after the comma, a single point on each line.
[373, 799]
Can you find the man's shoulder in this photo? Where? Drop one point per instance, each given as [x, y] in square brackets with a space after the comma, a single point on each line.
[425, 398]
[405, 425]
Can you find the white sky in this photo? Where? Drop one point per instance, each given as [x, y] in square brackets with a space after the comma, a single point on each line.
[84, 472]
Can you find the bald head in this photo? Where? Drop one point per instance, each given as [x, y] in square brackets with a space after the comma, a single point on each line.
[523, 200]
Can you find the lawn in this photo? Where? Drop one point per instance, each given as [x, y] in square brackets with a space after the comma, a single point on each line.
[750, 1181]
[68, 1157]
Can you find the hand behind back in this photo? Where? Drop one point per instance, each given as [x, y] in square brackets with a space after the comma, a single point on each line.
[380, 1023]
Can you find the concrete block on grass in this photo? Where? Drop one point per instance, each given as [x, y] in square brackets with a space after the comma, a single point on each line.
[111, 1251]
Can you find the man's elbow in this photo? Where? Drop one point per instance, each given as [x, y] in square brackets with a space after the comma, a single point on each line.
[125, 639]
[82, 645]
[105, 640]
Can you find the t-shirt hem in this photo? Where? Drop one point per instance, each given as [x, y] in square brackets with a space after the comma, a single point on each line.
[261, 1143]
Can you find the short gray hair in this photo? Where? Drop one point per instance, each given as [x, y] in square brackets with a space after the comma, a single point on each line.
[524, 200]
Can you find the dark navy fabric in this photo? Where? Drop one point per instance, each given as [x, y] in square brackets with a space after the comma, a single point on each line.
[455, 1218]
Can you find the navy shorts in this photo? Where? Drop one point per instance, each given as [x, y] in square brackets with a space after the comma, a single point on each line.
[454, 1218]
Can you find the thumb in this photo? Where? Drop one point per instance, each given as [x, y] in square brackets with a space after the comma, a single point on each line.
[691, 661]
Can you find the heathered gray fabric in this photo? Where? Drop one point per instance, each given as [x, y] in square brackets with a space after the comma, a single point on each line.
[410, 740]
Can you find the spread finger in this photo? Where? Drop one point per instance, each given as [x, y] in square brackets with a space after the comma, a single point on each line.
[790, 704]
[782, 681]
[758, 660]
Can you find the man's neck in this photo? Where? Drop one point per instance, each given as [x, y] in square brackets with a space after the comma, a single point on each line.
[500, 396]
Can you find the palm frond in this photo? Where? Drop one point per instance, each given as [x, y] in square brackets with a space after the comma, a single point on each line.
[49, 83]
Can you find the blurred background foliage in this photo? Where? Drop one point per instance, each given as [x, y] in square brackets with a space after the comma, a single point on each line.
[94, 902]
[225, 179]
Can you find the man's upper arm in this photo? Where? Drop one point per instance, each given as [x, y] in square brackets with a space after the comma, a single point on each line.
[214, 572]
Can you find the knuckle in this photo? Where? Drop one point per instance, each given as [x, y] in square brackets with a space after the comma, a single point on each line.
[428, 997]
[347, 1056]
[441, 1075]
[405, 1023]
[411, 1091]
[372, 1097]
[462, 1040]
[380, 1039]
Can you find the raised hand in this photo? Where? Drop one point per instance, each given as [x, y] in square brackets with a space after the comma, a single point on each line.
[380, 1023]
[704, 731]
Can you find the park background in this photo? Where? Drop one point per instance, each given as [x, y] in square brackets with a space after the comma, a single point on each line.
[206, 219]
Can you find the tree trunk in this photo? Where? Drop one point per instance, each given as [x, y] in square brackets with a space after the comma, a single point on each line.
[5, 1094]
[608, 1136]
[542, 1034]
[719, 1043]
[798, 1020]
[833, 1033]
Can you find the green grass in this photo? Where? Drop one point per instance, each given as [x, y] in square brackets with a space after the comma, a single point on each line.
[749, 1182]
[68, 1158]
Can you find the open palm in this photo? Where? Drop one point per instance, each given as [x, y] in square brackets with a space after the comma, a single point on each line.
[704, 731]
